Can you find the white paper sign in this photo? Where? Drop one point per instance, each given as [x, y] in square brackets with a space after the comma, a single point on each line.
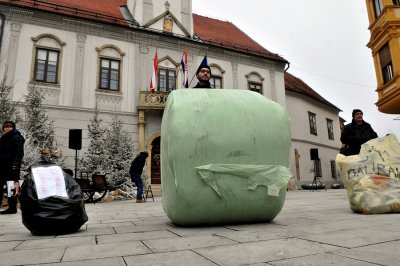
[49, 181]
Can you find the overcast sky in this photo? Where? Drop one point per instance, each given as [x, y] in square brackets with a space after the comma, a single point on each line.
[325, 43]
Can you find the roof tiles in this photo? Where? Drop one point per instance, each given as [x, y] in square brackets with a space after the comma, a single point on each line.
[101, 10]
[296, 85]
[226, 34]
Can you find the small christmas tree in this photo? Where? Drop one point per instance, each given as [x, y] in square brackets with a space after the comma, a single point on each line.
[94, 159]
[37, 122]
[119, 151]
[37, 127]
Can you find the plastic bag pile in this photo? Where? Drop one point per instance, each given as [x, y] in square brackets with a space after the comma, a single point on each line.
[224, 157]
[372, 177]
[51, 201]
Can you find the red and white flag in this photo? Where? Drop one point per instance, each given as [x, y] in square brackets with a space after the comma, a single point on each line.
[153, 81]
[185, 70]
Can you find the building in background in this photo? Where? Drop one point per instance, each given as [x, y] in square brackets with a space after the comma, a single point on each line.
[384, 20]
[315, 125]
[87, 53]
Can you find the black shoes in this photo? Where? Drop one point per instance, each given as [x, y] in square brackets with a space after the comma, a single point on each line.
[9, 211]
[12, 206]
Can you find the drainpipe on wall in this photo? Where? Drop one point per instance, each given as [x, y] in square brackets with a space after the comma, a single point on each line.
[2, 20]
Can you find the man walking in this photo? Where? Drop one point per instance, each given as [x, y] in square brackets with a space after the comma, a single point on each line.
[136, 171]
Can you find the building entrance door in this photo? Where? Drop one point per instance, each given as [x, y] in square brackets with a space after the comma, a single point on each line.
[155, 162]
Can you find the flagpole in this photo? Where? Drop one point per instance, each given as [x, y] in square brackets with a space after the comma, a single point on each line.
[192, 79]
[185, 68]
[176, 76]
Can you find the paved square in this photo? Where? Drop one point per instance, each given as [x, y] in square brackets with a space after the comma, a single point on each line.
[313, 228]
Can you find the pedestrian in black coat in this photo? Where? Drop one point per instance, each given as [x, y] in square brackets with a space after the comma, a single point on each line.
[356, 133]
[136, 171]
[11, 154]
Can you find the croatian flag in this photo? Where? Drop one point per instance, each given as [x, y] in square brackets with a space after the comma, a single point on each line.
[153, 82]
[184, 64]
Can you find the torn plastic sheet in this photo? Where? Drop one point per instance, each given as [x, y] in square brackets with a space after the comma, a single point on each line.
[270, 176]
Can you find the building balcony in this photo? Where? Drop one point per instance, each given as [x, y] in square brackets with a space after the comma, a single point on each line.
[389, 97]
[153, 101]
[387, 19]
[385, 27]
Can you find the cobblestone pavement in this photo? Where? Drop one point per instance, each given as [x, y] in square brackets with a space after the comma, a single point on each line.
[313, 228]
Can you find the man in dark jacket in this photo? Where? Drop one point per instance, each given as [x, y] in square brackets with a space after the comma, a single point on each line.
[203, 74]
[136, 171]
[11, 154]
[356, 133]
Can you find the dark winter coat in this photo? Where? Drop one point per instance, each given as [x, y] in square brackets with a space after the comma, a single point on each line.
[11, 154]
[353, 136]
[138, 164]
[204, 86]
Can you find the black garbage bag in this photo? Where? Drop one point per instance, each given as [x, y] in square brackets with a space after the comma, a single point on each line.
[54, 214]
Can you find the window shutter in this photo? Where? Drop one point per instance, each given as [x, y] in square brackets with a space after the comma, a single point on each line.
[384, 55]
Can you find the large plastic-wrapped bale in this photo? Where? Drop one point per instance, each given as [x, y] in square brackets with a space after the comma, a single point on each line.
[224, 157]
[371, 178]
[51, 201]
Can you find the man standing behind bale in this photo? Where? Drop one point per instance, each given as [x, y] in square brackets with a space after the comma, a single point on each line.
[136, 171]
[203, 74]
[355, 134]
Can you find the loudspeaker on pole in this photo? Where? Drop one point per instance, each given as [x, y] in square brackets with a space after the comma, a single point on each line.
[75, 139]
[314, 154]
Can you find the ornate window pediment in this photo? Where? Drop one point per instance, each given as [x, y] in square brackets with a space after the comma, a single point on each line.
[48, 40]
[46, 59]
[167, 74]
[255, 82]
[217, 73]
[109, 65]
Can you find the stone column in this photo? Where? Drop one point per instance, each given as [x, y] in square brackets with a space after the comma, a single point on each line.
[274, 95]
[235, 75]
[141, 67]
[79, 64]
[12, 57]
[141, 126]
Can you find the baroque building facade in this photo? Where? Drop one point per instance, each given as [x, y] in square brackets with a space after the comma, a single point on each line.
[84, 54]
[384, 20]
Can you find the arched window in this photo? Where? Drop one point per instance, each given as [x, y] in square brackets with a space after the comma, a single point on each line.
[216, 80]
[110, 65]
[255, 82]
[47, 57]
[167, 68]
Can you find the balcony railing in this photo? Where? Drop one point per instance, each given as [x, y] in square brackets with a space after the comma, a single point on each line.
[153, 101]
